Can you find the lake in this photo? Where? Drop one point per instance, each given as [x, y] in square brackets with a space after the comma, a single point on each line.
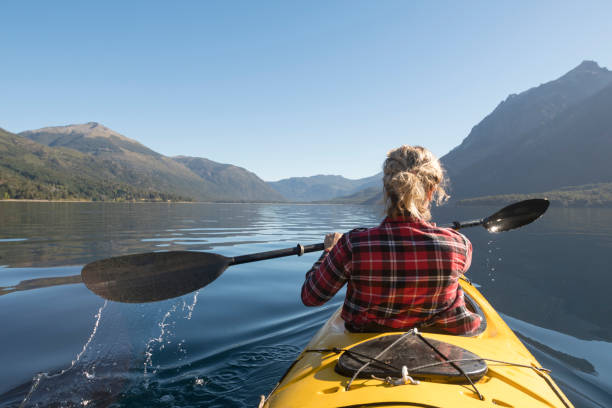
[229, 343]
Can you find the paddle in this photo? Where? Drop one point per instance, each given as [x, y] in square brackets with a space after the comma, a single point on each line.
[154, 276]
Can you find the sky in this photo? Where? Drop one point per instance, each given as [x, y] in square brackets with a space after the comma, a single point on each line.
[286, 88]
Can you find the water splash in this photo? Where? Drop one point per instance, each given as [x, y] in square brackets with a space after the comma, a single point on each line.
[191, 307]
[492, 260]
[157, 342]
[165, 337]
[88, 372]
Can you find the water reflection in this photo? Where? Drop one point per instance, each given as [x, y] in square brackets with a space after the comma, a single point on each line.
[552, 273]
[39, 283]
[52, 234]
[549, 278]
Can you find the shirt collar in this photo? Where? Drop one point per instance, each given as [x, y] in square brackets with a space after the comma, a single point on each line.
[406, 220]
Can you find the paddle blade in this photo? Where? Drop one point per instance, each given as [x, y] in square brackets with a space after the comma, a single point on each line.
[152, 276]
[516, 215]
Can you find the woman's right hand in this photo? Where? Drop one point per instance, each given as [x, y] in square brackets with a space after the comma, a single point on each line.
[330, 240]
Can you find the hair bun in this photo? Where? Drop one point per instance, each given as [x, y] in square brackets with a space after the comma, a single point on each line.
[410, 173]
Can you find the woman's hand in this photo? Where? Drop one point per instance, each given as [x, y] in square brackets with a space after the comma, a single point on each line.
[330, 240]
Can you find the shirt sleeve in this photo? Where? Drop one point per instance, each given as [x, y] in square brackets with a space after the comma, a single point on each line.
[468, 254]
[328, 274]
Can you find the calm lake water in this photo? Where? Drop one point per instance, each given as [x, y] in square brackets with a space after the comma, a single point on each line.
[230, 342]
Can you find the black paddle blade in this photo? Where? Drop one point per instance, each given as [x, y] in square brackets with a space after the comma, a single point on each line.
[516, 215]
[152, 276]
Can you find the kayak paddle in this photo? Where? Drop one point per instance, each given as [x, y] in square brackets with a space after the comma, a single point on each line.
[153, 276]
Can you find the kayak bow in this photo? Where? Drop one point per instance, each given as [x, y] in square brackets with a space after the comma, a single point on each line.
[512, 376]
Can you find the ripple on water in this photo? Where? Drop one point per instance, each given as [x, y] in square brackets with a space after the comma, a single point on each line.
[230, 385]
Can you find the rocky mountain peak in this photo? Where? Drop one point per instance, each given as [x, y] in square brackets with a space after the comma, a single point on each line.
[589, 66]
[586, 68]
[70, 135]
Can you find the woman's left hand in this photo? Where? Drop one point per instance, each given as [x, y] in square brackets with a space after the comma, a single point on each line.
[330, 240]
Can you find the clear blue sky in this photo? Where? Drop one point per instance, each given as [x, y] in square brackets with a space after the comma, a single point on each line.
[286, 88]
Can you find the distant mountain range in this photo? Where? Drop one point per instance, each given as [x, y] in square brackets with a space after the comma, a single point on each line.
[91, 162]
[322, 187]
[230, 183]
[554, 139]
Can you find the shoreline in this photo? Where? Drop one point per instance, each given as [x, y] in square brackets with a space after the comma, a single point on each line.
[459, 203]
[167, 202]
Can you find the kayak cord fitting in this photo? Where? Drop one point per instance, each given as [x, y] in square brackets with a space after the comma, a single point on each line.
[400, 338]
[404, 380]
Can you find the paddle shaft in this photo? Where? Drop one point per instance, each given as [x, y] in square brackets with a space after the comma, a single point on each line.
[458, 225]
[299, 250]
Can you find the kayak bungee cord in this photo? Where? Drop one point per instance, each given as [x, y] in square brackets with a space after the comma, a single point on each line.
[405, 377]
[506, 363]
[557, 393]
[455, 366]
[458, 360]
[401, 380]
[351, 352]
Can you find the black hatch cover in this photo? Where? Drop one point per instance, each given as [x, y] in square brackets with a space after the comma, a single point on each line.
[414, 353]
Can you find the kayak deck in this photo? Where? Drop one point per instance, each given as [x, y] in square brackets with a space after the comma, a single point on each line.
[313, 382]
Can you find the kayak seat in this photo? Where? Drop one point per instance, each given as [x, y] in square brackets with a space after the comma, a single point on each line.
[473, 307]
[412, 352]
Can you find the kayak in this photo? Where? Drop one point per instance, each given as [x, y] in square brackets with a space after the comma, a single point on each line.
[417, 368]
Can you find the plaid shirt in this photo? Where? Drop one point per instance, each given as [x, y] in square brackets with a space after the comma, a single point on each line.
[401, 274]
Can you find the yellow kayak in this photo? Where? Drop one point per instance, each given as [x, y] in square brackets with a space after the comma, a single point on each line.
[491, 369]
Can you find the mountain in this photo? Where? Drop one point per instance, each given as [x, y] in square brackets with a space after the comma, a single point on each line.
[553, 136]
[30, 170]
[126, 159]
[321, 187]
[94, 162]
[231, 181]
[554, 139]
[520, 114]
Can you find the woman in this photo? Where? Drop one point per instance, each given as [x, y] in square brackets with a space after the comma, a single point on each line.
[405, 272]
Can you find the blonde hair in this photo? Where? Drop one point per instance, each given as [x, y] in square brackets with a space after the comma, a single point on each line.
[410, 175]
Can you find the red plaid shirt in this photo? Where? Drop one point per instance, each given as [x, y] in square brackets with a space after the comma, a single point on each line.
[401, 274]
